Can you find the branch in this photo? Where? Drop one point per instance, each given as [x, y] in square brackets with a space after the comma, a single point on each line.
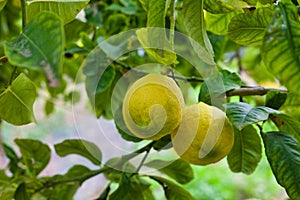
[24, 13]
[250, 91]
[187, 79]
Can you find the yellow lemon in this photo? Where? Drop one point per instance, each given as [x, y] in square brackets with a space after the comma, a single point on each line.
[152, 107]
[204, 136]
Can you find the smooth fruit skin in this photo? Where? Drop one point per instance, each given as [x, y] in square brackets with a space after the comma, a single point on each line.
[152, 107]
[205, 135]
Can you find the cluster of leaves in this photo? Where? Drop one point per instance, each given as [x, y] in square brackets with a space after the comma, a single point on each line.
[257, 38]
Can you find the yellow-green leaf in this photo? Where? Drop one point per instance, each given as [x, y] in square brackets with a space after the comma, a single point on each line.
[17, 100]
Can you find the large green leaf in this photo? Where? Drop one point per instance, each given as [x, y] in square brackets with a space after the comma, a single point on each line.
[155, 40]
[242, 114]
[13, 158]
[193, 18]
[132, 188]
[39, 47]
[283, 153]
[246, 152]
[2, 4]
[80, 147]
[66, 9]
[17, 100]
[35, 154]
[249, 28]
[172, 190]
[281, 47]
[179, 170]
[275, 99]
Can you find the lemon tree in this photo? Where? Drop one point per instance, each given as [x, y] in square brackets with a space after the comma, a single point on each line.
[240, 59]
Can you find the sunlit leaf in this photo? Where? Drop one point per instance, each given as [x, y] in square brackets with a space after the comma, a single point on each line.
[281, 47]
[35, 154]
[283, 153]
[246, 152]
[16, 102]
[193, 18]
[218, 23]
[39, 47]
[249, 28]
[223, 6]
[66, 9]
[80, 147]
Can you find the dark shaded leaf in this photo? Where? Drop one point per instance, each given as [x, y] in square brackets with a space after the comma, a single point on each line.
[275, 99]
[132, 187]
[283, 153]
[246, 152]
[21, 193]
[172, 190]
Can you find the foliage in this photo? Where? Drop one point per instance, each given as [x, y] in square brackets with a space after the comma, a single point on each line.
[253, 46]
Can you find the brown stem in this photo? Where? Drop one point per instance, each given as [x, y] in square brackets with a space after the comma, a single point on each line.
[251, 91]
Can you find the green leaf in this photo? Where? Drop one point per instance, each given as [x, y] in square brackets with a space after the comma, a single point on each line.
[283, 153]
[7, 191]
[116, 168]
[2, 4]
[35, 154]
[106, 79]
[13, 158]
[39, 47]
[249, 28]
[163, 143]
[172, 190]
[288, 124]
[242, 114]
[218, 23]
[275, 99]
[223, 6]
[80, 147]
[246, 152]
[191, 12]
[16, 102]
[4, 179]
[66, 9]
[21, 193]
[132, 188]
[179, 170]
[281, 49]
[129, 8]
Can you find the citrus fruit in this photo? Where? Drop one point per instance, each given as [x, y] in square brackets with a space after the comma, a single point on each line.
[152, 107]
[204, 136]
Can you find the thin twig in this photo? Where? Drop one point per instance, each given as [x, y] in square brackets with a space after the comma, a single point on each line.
[24, 13]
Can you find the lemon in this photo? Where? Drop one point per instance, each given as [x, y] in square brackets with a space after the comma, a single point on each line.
[152, 107]
[205, 135]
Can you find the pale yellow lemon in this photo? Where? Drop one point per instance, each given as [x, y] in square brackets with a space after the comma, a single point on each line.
[204, 136]
[152, 107]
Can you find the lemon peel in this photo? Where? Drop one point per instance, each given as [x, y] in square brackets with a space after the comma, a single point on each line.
[205, 135]
[152, 107]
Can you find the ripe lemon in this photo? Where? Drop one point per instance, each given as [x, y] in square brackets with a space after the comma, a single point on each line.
[205, 135]
[152, 107]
